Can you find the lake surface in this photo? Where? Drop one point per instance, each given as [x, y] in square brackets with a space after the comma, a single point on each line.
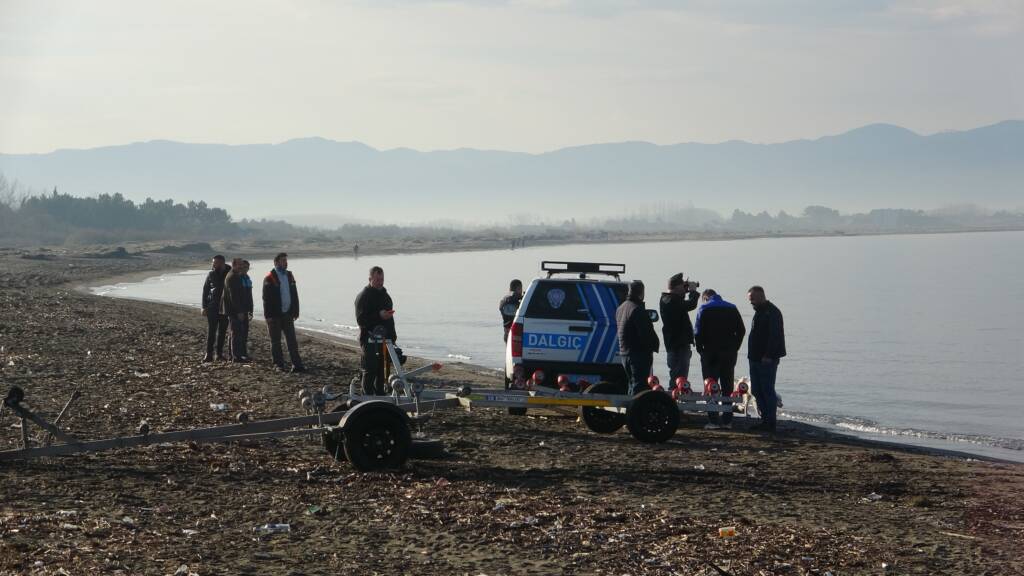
[915, 339]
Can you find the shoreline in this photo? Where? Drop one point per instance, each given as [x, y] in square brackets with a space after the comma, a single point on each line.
[412, 246]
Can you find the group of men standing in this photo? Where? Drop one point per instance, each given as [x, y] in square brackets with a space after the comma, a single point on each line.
[228, 306]
[717, 333]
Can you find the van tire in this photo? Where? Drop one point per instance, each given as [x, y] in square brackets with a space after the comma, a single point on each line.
[603, 421]
[653, 417]
[517, 411]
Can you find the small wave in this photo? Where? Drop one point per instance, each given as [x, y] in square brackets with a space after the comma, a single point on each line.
[865, 426]
[347, 327]
[460, 357]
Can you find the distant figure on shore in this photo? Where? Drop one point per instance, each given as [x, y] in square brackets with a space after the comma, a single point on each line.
[509, 304]
[718, 333]
[676, 327]
[217, 323]
[375, 314]
[281, 310]
[355, 251]
[765, 347]
[637, 340]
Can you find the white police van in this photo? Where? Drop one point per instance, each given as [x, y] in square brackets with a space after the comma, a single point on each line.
[565, 326]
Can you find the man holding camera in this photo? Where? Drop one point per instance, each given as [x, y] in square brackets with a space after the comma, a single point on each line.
[676, 304]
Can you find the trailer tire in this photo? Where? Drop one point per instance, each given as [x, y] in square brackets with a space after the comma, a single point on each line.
[653, 417]
[376, 436]
[517, 411]
[603, 421]
[427, 449]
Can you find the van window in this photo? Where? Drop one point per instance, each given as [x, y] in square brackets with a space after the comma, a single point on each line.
[556, 300]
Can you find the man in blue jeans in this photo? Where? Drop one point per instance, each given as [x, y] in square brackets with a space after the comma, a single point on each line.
[766, 345]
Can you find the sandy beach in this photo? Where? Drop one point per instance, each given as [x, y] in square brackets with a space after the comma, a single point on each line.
[515, 495]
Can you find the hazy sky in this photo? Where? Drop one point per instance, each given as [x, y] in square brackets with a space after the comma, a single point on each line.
[517, 75]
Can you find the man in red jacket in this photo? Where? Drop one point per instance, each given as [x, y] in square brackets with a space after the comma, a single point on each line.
[281, 309]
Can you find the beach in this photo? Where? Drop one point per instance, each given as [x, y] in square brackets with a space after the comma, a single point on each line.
[515, 495]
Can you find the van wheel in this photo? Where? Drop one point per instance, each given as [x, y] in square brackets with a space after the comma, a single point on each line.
[603, 421]
[517, 411]
[653, 417]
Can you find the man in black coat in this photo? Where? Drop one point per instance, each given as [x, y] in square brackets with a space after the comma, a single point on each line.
[765, 347]
[375, 315]
[281, 310]
[637, 340]
[676, 304]
[718, 334]
[217, 323]
[508, 305]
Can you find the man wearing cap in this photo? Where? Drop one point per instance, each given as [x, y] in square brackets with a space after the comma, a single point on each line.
[637, 340]
[676, 304]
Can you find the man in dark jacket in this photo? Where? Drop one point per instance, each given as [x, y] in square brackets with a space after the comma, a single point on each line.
[375, 315]
[765, 347]
[637, 340]
[509, 304]
[217, 323]
[676, 305]
[718, 334]
[236, 305]
[281, 310]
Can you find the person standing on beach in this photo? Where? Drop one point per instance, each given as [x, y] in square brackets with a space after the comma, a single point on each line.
[217, 323]
[765, 347]
[676, 305]
[247, 307]
[281, 310]
[236, 305]
[375, 314]
[637, 340]
[509, 304]
[718, 333]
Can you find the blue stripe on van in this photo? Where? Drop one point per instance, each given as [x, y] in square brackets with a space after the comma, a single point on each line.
[601, 327]
[612, 345]
[590, 348]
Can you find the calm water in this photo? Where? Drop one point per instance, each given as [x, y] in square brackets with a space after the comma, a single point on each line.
[916, 339]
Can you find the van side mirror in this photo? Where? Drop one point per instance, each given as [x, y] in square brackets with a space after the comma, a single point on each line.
[653, 315]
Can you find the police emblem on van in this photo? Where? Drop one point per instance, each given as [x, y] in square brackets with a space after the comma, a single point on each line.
[556, 296]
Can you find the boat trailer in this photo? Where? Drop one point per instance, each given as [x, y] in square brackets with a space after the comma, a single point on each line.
[376, 432]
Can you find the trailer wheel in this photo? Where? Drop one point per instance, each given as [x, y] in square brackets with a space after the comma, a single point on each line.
[334, 443]
[376, 438]
[603, 421]
[517, 411]
[426, 449]
[653, 417]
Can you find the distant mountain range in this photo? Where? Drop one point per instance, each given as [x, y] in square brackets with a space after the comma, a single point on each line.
[877, 166]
